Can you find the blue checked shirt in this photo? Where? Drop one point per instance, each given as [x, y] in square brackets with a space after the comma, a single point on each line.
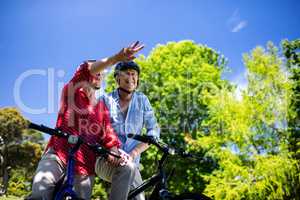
[139, 115]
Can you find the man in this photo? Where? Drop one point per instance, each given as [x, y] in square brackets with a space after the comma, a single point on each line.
[133, 112]
[80, 114]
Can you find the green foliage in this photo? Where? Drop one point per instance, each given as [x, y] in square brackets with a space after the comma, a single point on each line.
[9, 197]
[291, 52]
[24, 160]
[11, 124]
[174, 76]
[30, 135]
[248, 136]
[292, 55]
[26, 156]
[265, 177]
[268, 96]
[252, 142]
[22, 150]
[20, 183]
[100, 189]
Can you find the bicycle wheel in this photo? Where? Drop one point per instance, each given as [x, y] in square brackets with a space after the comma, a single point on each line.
[191, 196]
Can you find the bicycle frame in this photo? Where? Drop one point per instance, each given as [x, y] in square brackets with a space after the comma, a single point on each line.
[67, 187]
[146, 184]
[159, 180]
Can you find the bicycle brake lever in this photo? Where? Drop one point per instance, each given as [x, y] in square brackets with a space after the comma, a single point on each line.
[102, 151]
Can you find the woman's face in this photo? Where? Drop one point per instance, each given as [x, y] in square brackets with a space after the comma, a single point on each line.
[96, 80]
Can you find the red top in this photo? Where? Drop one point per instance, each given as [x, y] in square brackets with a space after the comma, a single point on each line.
[80, 115]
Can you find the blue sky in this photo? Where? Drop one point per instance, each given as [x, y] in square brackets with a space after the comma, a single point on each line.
[49, 38]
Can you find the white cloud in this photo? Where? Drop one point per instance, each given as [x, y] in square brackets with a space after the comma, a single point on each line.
[235, 23]
[234, 17]
[239, 26]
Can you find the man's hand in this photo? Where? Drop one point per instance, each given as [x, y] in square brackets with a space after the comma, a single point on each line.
[123, 160]
[127, 54]
[125, 157]
[112, 159]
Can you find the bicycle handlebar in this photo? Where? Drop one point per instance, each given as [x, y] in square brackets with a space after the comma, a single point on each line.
[143, 138]
[162, 146]
[48, 130]
[72, 139]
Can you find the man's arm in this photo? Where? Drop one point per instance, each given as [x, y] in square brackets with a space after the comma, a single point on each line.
[140, 148]
[150, 123]
[126, 54]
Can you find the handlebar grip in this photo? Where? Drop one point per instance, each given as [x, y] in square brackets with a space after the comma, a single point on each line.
[47, 130]
[101, 150]
[142, 138]
[35, 127]
[41, 128]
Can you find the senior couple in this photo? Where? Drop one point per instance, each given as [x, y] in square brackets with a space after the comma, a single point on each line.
[107, 121]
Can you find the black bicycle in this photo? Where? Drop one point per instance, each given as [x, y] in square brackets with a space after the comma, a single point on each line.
[159, 180]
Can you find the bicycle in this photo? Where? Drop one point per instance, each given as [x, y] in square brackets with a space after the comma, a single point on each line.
[64, 188]
[159, 180]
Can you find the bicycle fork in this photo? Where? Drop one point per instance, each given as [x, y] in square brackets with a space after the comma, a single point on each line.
[67, 189]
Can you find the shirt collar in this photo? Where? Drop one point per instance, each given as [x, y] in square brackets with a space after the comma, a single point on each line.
[116, 96]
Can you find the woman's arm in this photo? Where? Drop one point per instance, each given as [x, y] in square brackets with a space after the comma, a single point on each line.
[126, 54]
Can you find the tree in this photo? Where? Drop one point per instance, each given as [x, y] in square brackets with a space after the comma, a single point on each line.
[292, 55]
[253, 136]
[173, 77]
[268, 94]
[200, 112]
[11, 125]
[23, 149]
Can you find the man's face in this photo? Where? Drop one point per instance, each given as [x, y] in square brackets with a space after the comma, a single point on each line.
[96, 80]
[128, 79]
